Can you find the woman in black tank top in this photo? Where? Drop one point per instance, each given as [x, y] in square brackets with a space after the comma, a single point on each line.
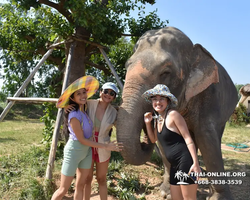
[170, 130]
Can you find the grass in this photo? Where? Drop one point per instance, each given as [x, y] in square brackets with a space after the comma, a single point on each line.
[236, 134]
[22, 160]
[19, 136]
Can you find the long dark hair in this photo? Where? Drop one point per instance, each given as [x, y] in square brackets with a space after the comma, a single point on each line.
[66, 116]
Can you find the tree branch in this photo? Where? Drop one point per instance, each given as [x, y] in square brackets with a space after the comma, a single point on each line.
[128, 35]
[107, 72]
[90, 49]
[103, 2]
[59, 7]
[89, 42]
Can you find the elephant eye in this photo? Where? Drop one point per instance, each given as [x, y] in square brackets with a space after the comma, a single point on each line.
[165, 73]
[165, 76]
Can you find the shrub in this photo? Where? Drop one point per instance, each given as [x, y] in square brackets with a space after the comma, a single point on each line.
[239, 116]
[3, 96]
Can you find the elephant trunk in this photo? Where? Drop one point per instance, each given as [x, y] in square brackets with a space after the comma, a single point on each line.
[130, 122]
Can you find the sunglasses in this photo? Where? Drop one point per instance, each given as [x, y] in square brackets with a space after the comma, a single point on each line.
[111, 93]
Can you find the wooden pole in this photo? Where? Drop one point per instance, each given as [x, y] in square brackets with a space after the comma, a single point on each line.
[111, 68]
[26, 82]
[32, 99]
[53, 147]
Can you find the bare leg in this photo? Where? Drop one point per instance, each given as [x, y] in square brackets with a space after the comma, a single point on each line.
[87, 189]
[81, 176]
[101, 173]
[189, 192]
[64, 186]
[175, 191]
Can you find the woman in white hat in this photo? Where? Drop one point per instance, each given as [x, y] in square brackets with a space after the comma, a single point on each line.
[77, 152]
[172, 133]
[103, 115]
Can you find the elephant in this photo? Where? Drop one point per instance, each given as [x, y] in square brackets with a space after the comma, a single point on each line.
[206, 94]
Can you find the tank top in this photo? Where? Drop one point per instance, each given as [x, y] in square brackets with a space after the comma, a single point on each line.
[173, 144]
[97, 124]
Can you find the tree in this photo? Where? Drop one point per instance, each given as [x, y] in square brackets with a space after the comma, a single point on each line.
[15, 73]
[30, 26]
[238, 86]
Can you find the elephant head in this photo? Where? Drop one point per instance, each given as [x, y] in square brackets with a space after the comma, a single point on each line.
[165, 56]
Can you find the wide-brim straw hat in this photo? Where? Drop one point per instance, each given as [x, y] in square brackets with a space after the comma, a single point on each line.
[90, 83]
[161, 90]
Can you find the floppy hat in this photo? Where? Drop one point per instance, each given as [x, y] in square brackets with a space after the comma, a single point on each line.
[111, 86]
[88, 82]
[161, 90]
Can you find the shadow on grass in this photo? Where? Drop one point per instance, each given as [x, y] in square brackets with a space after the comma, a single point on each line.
[234, 164]
[24, 111]
[4, 140]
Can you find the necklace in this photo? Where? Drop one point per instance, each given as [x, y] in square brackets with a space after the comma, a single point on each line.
[88, 118]
[160, 119]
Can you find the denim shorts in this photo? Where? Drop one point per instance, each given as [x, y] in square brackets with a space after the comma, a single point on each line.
[75, 155]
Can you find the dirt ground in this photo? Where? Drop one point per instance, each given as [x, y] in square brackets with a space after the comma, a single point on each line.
[203, 190]
[155, 182]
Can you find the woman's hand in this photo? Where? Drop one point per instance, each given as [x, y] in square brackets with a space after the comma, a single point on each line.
[148, 117]
[114, 146]
[69, 108]
[195, 168]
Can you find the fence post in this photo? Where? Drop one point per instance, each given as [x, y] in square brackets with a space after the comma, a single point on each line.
[53, 147]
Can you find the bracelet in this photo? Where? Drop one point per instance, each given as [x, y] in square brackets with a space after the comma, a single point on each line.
[190, 143]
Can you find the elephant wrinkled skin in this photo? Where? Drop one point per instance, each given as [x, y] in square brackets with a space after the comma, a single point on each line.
[206, 94]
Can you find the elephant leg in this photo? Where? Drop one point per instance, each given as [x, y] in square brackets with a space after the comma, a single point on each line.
[209, 144]
[165, 186]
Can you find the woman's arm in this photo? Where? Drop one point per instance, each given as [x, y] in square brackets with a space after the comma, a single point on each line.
[183, 129]
[152, 133]
[76, 126]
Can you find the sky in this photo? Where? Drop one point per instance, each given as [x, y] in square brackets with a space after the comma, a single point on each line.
[220, 26]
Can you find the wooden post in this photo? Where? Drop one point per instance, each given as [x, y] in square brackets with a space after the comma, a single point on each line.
[111, 68]
[26, 82]
[53, 147]
[35, 100]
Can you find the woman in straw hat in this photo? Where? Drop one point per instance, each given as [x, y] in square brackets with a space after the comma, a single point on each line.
[77, 152]
[172, 133]
[103, 115]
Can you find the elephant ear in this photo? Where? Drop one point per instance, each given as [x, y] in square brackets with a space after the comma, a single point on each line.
[204, 72]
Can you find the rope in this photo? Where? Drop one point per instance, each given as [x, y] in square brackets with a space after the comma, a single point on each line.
[237, 145]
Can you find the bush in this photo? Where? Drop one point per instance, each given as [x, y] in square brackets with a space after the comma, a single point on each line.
[239, 116]
[3, 96]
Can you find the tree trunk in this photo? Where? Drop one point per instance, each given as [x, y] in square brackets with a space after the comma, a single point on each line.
[78, 65]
